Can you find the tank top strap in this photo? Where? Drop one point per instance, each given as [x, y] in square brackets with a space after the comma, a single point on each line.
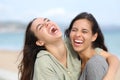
[98, 50]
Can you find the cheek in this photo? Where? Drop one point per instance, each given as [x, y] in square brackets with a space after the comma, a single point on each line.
[40, 34]
[43, 32]
[89, 39]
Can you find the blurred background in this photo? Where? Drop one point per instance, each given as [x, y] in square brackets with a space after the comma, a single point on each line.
[16, 14]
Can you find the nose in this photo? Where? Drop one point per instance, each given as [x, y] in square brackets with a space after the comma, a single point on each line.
[78, 34]
[45, 24]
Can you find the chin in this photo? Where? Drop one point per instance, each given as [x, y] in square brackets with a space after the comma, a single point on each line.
[77, 49]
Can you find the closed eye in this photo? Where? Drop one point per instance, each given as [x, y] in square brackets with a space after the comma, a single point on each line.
[74, 29]
[85, 31]
[39, 26]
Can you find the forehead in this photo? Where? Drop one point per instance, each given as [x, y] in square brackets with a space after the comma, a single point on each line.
[37, 21]
[82, 23]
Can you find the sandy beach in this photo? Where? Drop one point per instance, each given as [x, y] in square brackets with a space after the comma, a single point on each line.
[9, 61]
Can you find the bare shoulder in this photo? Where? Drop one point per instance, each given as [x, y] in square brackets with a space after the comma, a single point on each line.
[105, 53]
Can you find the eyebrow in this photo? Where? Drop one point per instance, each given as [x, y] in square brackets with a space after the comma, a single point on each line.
[46, 19]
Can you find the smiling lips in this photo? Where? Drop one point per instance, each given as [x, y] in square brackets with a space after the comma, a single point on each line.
[77, 42]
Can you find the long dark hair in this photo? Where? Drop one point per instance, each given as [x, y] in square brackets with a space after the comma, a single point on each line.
[99, 42]
[30, 50]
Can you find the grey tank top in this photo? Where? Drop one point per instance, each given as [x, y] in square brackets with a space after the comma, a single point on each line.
[95, 68]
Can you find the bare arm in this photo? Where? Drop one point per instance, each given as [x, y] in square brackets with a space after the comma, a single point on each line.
[113, 63]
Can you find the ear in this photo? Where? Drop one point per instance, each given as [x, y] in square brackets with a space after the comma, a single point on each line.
[39, 43]
[94, 37]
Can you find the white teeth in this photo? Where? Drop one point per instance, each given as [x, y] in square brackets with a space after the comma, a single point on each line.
[51, 28]
[78, 41]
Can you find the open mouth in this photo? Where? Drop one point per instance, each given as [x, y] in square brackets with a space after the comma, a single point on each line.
[53, 29]
[78, 42]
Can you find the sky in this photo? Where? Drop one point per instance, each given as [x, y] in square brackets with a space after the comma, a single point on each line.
[107, 12]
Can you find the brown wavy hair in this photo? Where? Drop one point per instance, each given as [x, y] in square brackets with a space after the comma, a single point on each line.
[30, 50]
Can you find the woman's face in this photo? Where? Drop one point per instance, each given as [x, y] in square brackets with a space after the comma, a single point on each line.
[46, 31]
[81, 35]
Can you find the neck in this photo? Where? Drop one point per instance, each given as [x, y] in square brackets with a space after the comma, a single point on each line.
[58, 50]
[86, 55]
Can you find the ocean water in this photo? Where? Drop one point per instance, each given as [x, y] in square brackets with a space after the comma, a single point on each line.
[11, 40]
[14, 41]
[112, 41]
